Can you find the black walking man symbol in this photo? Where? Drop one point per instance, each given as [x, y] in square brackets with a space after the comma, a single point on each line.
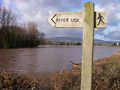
[100, 18]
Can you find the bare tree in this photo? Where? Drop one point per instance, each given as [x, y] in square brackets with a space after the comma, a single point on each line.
[7, 17]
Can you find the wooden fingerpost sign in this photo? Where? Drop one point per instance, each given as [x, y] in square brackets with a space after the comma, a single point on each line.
[89, 19]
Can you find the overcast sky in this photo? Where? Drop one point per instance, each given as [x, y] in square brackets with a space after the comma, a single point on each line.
[39, 11]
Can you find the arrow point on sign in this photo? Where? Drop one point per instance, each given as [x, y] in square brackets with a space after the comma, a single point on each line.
[51, 20]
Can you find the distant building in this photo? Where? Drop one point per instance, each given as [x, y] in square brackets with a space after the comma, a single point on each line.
[117, 43]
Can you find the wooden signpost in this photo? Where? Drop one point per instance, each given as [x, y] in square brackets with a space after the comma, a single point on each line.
[89, 19]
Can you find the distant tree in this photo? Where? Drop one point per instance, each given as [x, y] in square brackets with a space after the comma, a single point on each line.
[41, 39]
[7, 19]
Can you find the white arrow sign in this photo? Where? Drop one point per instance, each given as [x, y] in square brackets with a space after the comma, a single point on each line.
[67, 19]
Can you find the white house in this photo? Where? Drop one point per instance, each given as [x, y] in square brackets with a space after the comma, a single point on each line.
[117, 43]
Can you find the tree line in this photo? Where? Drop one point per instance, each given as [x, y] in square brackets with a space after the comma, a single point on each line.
[13, 35]
[52, 42]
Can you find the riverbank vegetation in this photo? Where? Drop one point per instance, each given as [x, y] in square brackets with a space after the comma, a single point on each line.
[106, 76]
[13, 35]
[52, 42]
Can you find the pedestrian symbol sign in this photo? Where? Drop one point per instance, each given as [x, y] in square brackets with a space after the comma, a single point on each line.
[100, 18]
[100, 21]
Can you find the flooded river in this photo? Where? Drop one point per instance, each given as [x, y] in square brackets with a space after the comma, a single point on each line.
[47, 58]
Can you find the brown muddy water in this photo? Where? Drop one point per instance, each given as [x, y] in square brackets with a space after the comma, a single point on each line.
[46, 58]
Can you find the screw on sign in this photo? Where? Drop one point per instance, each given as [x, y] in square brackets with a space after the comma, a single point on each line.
[89, 20]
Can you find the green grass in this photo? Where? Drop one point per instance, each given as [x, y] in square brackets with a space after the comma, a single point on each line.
[112, 63]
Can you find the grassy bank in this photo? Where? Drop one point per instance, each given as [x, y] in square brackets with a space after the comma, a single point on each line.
[106, 76]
